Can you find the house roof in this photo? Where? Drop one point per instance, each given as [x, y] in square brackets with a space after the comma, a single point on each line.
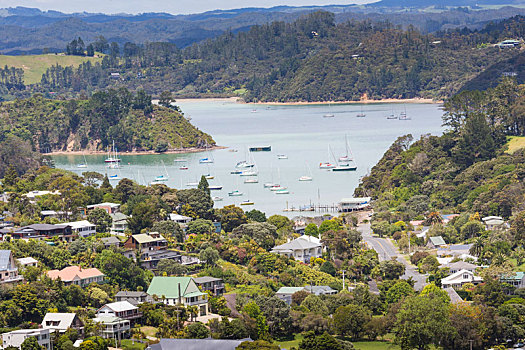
[453, 295]
[178, 217]
[145, 238]
[515, 276]
[119, 216]
[437, 240]
[108, 319]
[130, 294]
[310, 239]
[297, 243]
[110, 240]
[494, 222]
[168, 286]
[487, 218]
[5, 259]
[105, 204]
[69, 273]
[458, 277]
[289, 290]
[80, 224]
[26, 261]
[462, 265]
[120, 306]
[197, 344]
[206, 279]
[356, 200]
[65, 319]
[319, 289]
[45, 227]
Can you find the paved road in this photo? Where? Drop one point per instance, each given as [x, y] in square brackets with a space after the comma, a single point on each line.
[386, 251]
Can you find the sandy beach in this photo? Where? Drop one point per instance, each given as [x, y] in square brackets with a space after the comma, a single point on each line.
[364, 101]
[135, 153]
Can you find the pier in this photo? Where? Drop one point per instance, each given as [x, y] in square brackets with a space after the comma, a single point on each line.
[320, 208]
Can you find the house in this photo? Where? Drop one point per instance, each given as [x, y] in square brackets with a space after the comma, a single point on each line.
[29, 261]
[197, 344]
[435, 242]
[39, 231]
[145, 242]
[179, 290]
[34, 194]
[119, 224]
[16, 338]
[113, 327]
[516, 279]
[461, 265]
[351, 204]
[82, 228]
[508, 43]
[180, 219]
[285, 293]
[61, 215]
[458, 279]
[110, 208]
[300, 249]
[111, 241]
[133, 297]
[61, 322]
[77, 275]
[493, 222]
[8, 269]
[455, 250]
[150, 259]
[212, 284]
[122, 309]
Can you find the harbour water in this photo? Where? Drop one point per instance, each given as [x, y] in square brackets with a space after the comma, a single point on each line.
[301, 132]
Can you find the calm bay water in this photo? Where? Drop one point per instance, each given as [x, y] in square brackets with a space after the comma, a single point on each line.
[299, 132]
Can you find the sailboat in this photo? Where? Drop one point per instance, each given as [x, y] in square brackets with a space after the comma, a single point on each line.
[392, 115]
[345, 166]
[162, 178]
[247, 202]
[208, 159]
[346, 158]
[83, 165]
[327, 165]
[403, 115]
[361, 115]
[113, 160]
[251, 181]
[329, 114]
[306, 177]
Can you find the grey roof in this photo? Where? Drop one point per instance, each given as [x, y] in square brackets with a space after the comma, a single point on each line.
[453, 295]
[197, 344]
[5, 260]
[118, 216]
[297, 244]
[317, 290]
[462, 265]
[130, 294]
[205, 279]
[437, 240]
[110, 240]
[45, 227]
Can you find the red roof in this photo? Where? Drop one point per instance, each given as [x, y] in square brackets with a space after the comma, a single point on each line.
[69, 273]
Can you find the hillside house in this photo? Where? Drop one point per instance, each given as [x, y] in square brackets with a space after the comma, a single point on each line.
[61, 322]
[113, 327]
[212, 284]
[133, 297]
[29, 261]
[82, 228]
[435, 242]
[146, 242]
[77, 275]
[8, 269]
[119, 224]
[179, 290]
[16, 338]
[461, 265]
[300, 249]
[516, 279]
[122, 309]
[110, 208]
[40, 231]
[458, 279]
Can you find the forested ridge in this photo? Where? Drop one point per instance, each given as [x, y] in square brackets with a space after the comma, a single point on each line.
[127, 119]
[311, 59]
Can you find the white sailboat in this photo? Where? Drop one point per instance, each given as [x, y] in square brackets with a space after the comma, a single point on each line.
[329, 114]
[403, 115]
[164, 177]
[208, 159]
[83, 165]
[346, 165]
[362, 114]
[306, 177]
[327, 165]
[113, 160]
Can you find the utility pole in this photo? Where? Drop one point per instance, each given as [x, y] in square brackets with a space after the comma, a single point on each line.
[344, 279]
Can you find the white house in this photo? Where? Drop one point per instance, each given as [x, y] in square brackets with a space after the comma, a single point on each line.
[461, 265]
[285, 293]
[16, 338]
[351, 204]
[83, 228]
[61, 322]
[180, 219]
[300, 248]
[8, 269]
[516, 279]
[119, 225]
[493, 222]
[113, 327]
[29, 261]
[122, 309]
[458, 279]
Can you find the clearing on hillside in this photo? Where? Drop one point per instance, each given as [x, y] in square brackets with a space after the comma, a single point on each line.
[35, 65]
[515, 143]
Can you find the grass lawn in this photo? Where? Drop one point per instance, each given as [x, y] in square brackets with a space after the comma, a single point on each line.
[515, 143]
[149, 331]
[35, 65]
[374, 345]
[290, 343]
[127, 344]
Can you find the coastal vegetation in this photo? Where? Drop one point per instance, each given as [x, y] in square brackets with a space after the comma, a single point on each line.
[129, 120]
[311, 59]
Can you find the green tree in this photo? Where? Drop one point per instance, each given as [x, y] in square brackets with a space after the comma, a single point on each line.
[257, 345]
[330, 225]
[401, 289]
[200, 226]
[311, 230]
[198, 200]
[350, 320]
[391, 269]
[314, 304]
[165, 99]
[168, 228]
[256, 215]
[232, 217]
[121, 271]
[319, 342]
[253, 310]
[10, 176]
[475, 143]
[210, 256]
[280, 222]
[196, 330]
[381, 228]
[101, 219]
[328, 268]
[171, 268]
[31, 343]
[125, 189]
[263, 233]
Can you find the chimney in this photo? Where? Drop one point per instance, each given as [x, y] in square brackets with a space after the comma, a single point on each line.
[180, 296]
[79, 268]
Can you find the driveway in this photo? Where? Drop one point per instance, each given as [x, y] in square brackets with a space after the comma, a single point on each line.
[386, 250]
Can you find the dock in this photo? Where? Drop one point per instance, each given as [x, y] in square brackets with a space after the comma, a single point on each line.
[321, 208]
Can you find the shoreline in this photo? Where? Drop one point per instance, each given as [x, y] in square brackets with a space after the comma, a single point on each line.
[306, 103]
[132, 153]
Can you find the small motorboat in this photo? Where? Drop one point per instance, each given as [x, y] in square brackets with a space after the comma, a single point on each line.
[180, 160]
[114, 177]
[247, 202]
[209, 177]
[215, 188]
[277, 188]
[192, 184]
[251, 181]
[285, 191]
[270, 185]
[345, 167]
[236, 172]
[244, 164]
[282, 156]
[205, 160]
[305, 178]
[217, 199]
[161, 178]
[235, 193]
[248, 173]
[184, 167]
[83, 166]
[328, 115]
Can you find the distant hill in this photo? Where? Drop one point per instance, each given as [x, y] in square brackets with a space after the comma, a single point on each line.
[29, 30]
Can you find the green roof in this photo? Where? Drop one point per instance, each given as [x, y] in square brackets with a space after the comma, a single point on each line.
[194, 294]
[145, 238]
[289, 290]
[168, 286]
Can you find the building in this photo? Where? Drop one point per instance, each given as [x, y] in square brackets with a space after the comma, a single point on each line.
[61, 322]
[8, 268]
[458, 279]
[34, 194]
[493, 222]
[197, 344]
[145, 242]
[212, 284]
[454, 250]
[435, 242]
[122, 309]
[111, 241]
[40, 231]
[461, 265]
[119, 225]
[133, 297]
[113, 327]
[351, 204]
[508, 43]
[516, 279]
[179, 290]
[82, 228]
[180, 219]
[110, 208]
[29, 261]
[16, 338]
[77, 275]
[285, 293]
[300, 249]
[150, 259]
